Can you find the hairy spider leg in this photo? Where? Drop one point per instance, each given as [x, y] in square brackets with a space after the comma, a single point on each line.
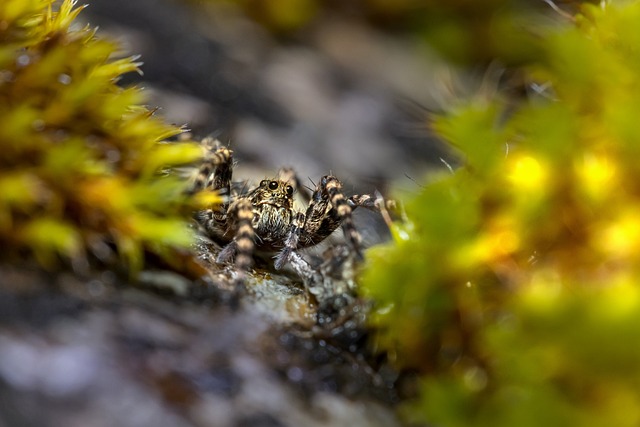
[340, 204]
[363, 200]
[328, 209]
[215, 173]
[242, 212]
[291, 243]
[216, 168]
[373, 202]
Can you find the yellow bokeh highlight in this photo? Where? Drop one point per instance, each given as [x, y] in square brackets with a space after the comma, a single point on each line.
[543, 291]
[528, 173]
[621, 237]
[596, 174]
[497, 245]
[499, 240]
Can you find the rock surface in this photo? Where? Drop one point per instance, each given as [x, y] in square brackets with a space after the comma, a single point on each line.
[171, 352]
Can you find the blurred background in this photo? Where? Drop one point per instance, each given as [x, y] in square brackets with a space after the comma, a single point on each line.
[339, 87]
[323, 85]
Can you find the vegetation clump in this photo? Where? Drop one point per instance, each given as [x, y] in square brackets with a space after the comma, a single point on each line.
[80, 156]
[513, 286]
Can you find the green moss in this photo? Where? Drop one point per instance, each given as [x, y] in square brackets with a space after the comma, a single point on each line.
[79, 155]
[514, 284]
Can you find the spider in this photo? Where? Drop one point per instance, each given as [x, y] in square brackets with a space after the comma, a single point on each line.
[263, 219]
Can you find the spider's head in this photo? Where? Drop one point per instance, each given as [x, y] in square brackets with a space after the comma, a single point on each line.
[274, 192]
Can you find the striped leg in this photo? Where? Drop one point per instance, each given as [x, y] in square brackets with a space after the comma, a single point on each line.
[214, 174]
[327, 210]
[216, 169]
[244, 235]
[241, 247]
[372, 202]
[341, 205]
[291, 244]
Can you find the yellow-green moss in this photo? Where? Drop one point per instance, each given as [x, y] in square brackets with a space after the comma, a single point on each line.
[514, 286]
[79, 155]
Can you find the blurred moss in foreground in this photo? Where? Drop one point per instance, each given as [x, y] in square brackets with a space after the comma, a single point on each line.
[514, 285]
[79, 155]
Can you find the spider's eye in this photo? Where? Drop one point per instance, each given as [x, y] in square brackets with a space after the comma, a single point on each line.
[273, 185]
[263, 182]
[289, 190]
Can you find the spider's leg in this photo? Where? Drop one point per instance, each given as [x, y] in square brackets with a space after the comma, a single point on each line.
[328, 209]
[313, 280]
[373, 202]
[227, 253]
[340, 204]
[362, 200]
[214, 173]
[291, 243]
[289, 175]
[216, 169]
[243, 244]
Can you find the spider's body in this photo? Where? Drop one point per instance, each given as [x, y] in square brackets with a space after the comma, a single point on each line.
[272, 208]
[265, 219]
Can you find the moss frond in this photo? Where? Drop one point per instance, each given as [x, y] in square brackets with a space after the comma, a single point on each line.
[80, 156]
[514, 286]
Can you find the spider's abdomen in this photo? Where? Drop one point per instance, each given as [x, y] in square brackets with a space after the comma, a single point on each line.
[271, 225]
